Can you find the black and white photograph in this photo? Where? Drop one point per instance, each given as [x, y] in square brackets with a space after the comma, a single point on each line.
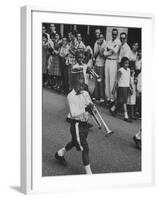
[91, 99]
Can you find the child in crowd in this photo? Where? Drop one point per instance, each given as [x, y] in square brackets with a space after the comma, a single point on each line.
[132, 94]
[123, 86]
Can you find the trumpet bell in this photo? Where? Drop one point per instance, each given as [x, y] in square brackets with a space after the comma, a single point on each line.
[99, 79]
[100, 122]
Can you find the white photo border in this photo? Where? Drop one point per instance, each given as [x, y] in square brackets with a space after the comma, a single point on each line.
[31, 101]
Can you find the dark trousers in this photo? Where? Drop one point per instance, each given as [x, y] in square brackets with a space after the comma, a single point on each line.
[79, 133]
[64, 74]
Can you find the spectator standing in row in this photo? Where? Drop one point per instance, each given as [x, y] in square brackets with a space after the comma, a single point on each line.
[138, 63]
[45, 47]
[81, 45]
[125, 50]
[52, 31]
[44, 32]
[133, 56]
[134, 51]
[123, 86]
[111, 54]
[99, 67]
[54, 63]
[88, 58]
[138, 93]
[64, 51]
[70, 61]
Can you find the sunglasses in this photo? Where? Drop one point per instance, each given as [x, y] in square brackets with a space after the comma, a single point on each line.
[122, 38]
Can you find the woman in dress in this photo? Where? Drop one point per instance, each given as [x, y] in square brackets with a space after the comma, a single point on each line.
[133, 55]
[54, 63]
[64, 51]
[47, 46]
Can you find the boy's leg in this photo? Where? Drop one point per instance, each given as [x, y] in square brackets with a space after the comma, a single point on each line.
[83, 133]
[59, 155]
[68, 147]
[85, 160]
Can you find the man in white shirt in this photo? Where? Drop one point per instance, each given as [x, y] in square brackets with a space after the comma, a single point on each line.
[125, 50]
[111, 54]
[80, 106]
[99, 67]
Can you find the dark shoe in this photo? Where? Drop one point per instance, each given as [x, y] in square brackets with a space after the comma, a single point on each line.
[113, 113]
[61, 159]
[127, 120]
[108, 104]
[68, 120]
[137, 142]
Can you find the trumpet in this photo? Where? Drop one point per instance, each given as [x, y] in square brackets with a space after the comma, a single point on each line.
[94, 74]
[99, 120]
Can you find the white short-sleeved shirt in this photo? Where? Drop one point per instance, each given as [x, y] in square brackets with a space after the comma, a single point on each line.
[125, 51]
[77, 105]
[124, 80]
[114, 45]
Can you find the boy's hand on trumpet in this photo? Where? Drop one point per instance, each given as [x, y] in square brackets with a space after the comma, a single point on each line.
[90, 108]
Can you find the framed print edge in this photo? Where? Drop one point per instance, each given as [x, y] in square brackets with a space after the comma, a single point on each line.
[26, 91]
[26, 109]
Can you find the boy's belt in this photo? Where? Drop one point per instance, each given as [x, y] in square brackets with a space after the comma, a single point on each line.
[112, 58]
[82, 123]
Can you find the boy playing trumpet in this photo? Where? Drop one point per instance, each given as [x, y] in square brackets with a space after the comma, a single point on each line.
[80, 104]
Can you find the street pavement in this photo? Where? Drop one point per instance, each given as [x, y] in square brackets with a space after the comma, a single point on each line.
[116, 153]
